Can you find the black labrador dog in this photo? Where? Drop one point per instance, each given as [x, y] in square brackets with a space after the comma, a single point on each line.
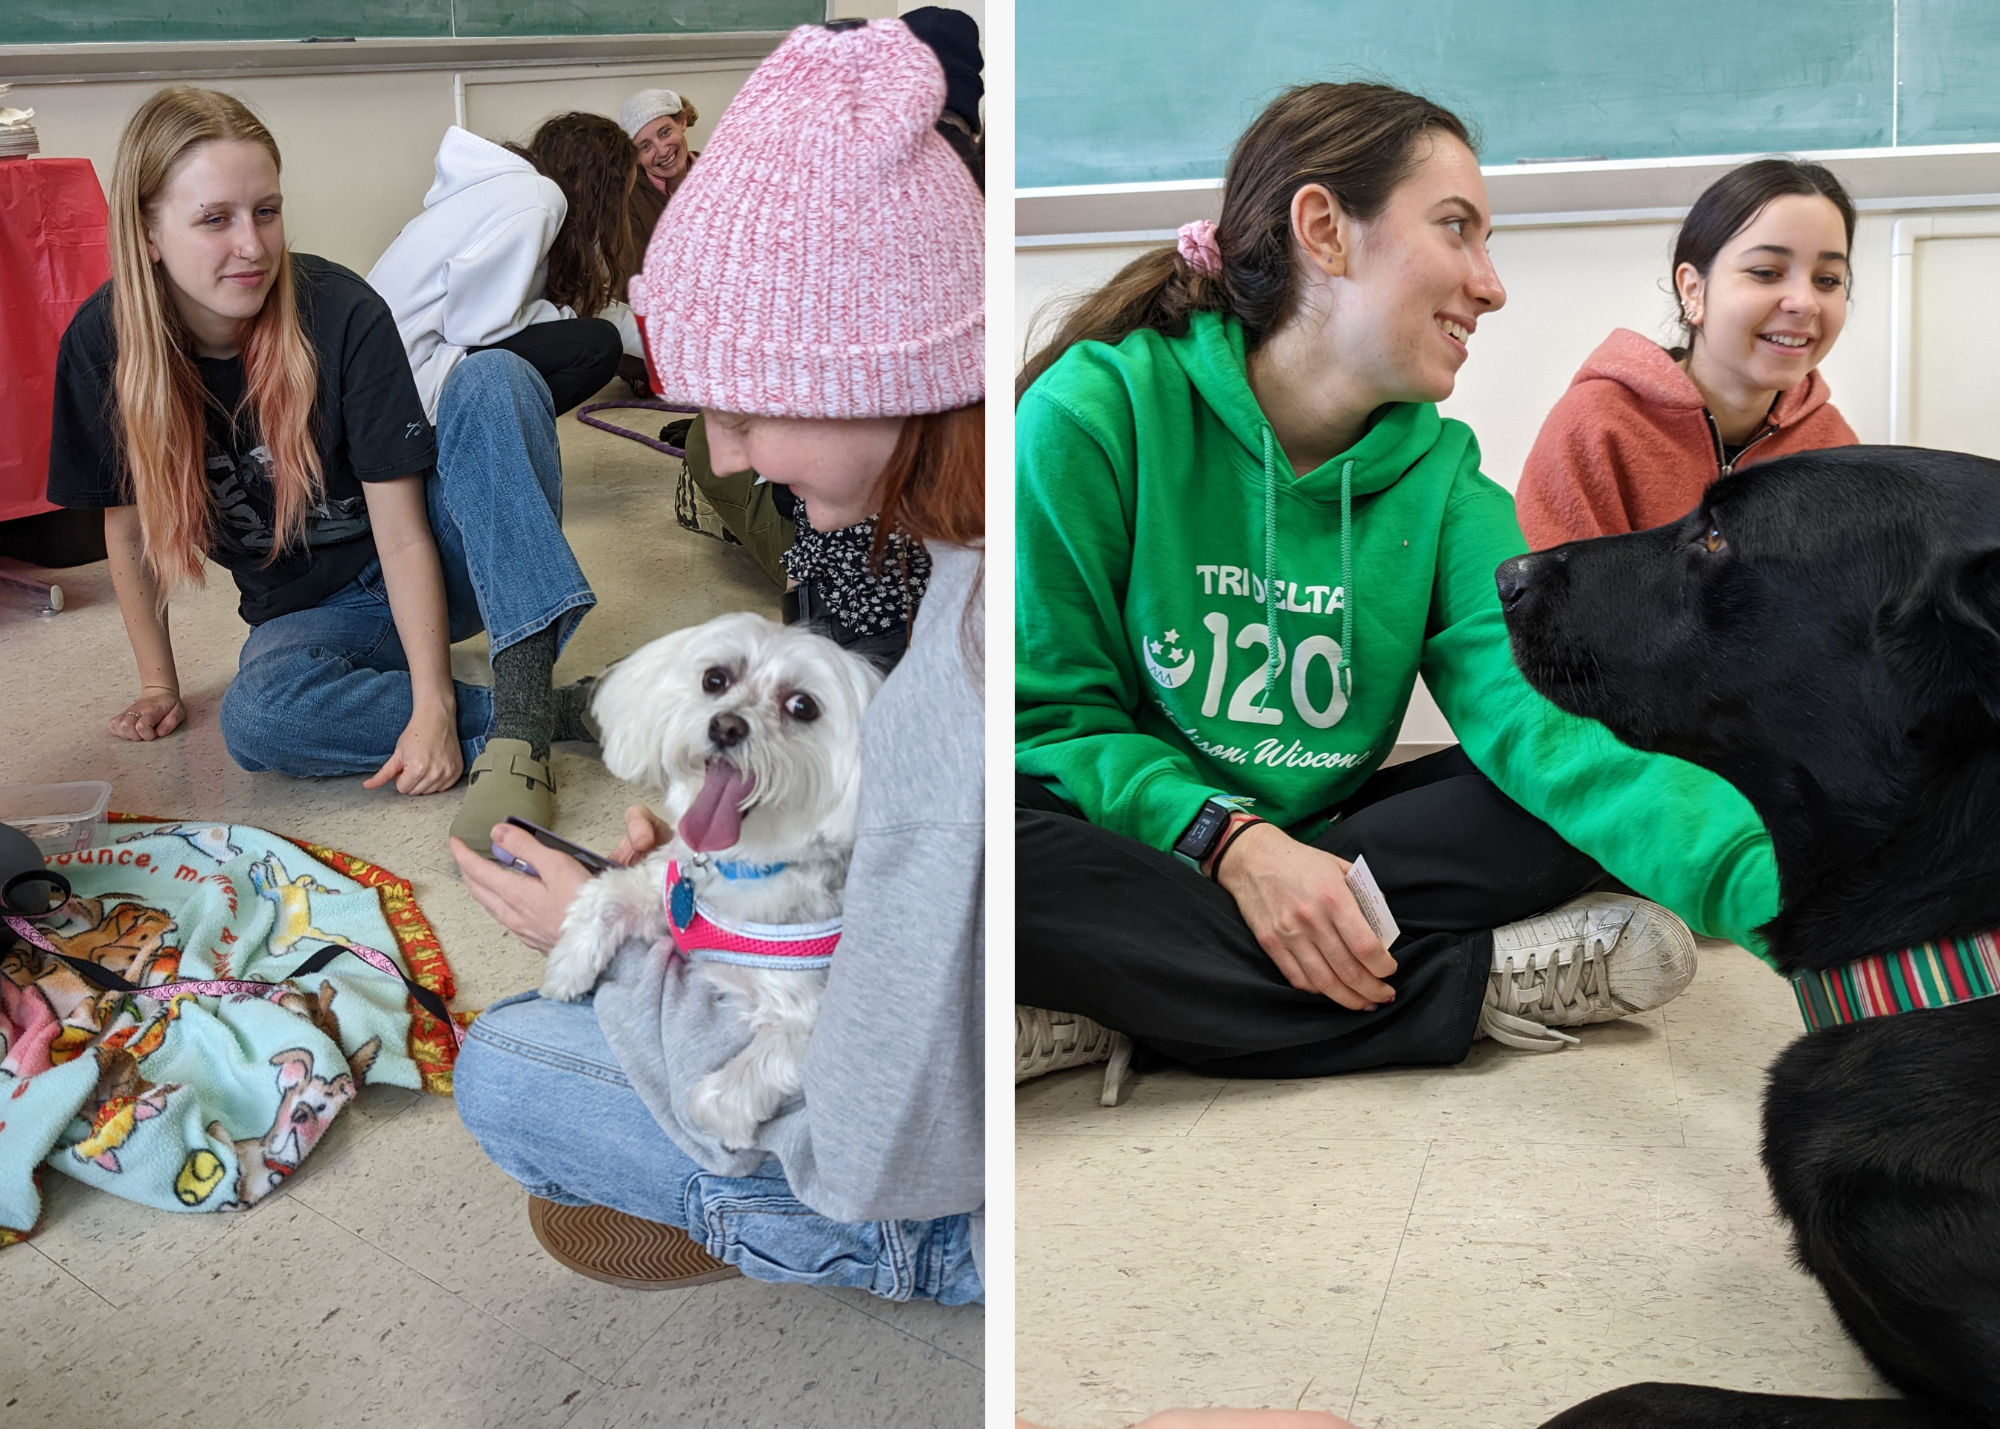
[1823, 631]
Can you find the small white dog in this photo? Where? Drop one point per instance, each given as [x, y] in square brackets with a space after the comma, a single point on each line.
[749, 732]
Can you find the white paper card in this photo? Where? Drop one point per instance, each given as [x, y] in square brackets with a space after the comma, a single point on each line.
[1374, 907]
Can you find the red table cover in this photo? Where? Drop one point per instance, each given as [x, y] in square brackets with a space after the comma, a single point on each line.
[53, 255]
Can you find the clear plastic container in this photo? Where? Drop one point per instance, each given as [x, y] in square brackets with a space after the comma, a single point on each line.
[59, 818]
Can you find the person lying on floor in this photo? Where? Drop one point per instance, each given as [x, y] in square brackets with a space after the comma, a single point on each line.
[874, 1178]
[1243, 530]
[524, 249]
[224, 397]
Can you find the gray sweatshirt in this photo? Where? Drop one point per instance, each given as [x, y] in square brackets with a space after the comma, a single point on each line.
[891, 1126]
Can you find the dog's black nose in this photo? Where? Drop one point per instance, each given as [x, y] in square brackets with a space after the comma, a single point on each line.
[1518, 578]
[1512, 578]
[727, 731]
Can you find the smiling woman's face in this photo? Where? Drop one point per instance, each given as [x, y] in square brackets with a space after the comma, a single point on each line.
[1418, 280]
[663, 150]
[218, 227]
[1775, 298]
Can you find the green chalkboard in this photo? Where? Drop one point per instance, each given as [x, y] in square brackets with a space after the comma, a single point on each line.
[152, 21]
[1112, 91]
[1946, 89]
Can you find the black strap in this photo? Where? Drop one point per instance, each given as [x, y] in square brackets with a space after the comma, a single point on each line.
[110, 981]
[93, 972]
[35, 875]
[424, 997]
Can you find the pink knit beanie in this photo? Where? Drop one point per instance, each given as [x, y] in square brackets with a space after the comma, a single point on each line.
[826, 258]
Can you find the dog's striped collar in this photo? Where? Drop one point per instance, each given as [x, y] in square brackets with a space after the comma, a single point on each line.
[735, 869]
[698, 932]
[1908, 980]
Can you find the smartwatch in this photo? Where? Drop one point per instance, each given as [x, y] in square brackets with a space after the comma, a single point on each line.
[1196, 845]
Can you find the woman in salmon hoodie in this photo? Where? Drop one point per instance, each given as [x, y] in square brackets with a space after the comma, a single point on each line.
[1761, 273]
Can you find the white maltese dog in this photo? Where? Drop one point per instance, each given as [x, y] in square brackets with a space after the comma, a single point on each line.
[749, 732]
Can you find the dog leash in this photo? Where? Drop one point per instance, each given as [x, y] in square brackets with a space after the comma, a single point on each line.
[110, 981]
[1913, 979]
[586, 414]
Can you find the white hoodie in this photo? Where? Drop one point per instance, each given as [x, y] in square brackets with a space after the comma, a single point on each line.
[469, 270]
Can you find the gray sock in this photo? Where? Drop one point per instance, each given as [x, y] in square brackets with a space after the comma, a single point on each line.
[572, 711]
[523, 703]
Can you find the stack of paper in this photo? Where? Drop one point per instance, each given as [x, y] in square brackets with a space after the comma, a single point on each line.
[17, 135]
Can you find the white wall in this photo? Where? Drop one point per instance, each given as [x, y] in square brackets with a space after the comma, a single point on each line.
[1569, 285]
[358, 147]
[1953, 397]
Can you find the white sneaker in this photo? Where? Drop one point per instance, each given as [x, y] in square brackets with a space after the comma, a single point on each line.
[1598, 957]
[1050, 1041]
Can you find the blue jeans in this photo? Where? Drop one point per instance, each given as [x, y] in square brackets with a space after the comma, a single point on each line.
[540, 1089]
[326, 691]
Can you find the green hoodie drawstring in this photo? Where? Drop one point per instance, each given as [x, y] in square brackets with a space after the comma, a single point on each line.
[1343, 674]
[1274, 657]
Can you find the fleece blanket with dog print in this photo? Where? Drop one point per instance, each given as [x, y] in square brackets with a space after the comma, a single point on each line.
[205, 1099]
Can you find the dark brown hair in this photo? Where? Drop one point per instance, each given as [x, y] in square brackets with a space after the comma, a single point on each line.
[595, 165]
[1360, 140]
[1730, 204]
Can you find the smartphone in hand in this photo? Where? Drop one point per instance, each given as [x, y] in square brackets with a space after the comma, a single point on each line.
[595, 862]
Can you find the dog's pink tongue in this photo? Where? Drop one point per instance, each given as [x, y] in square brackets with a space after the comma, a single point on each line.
[715, 819]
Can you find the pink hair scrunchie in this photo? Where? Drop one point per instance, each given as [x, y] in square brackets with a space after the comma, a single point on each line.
[1199, 249]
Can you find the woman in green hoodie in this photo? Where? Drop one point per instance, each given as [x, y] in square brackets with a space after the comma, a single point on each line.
[1243, 531]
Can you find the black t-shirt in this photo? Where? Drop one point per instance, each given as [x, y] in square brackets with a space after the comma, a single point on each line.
[369, 423]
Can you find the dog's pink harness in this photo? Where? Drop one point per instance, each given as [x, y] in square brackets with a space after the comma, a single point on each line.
[698, 933]
[1939, 974]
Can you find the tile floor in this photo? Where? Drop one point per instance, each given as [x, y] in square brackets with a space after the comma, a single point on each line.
[1423, 1249]
[394, 1280]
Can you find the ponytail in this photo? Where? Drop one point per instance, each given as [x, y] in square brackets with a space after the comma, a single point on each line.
[1158, 290]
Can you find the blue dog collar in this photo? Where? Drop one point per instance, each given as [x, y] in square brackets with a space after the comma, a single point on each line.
[734, 871]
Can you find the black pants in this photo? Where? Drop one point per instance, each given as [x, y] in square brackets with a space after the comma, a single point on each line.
[1135, 939]
[576, 356]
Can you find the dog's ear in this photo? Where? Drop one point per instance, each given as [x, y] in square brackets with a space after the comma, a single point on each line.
[1945, 636]
[632, 698]
[865, 678]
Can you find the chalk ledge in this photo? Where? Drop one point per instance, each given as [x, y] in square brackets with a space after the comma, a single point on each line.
[1599, 191]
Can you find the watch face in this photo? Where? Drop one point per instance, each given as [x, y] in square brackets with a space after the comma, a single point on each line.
[1202, 832]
